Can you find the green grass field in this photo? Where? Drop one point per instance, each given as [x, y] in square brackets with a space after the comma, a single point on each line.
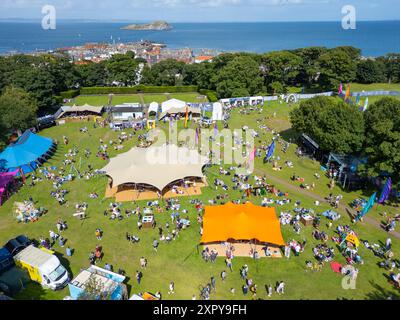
[180, 260]
[375, 86]
[102, 100]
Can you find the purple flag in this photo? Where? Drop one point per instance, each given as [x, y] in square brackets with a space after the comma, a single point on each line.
[385, 191]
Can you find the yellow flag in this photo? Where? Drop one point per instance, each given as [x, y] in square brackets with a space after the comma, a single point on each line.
[186, 116]
[347, 93]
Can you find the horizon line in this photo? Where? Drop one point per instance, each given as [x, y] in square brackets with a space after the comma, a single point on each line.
[236, 22]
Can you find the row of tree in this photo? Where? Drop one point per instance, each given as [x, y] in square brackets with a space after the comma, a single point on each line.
[229, 75]
[18, 112]
[339, 127]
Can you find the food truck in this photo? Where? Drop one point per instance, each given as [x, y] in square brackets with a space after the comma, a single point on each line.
[42, 267]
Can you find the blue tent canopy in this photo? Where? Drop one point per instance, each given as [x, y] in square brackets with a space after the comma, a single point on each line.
[25, 153]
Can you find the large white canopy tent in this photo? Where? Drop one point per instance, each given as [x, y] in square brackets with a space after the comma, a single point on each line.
[195, 111]
[66, 110]
[156, 166]
[172, 103]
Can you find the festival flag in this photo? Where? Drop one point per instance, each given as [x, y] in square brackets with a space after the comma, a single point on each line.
[347, 95]
[365, 104]
[186, 116]
[340, 89]
[386, 191]
[271, 150]
[367, 207]
[358, 99]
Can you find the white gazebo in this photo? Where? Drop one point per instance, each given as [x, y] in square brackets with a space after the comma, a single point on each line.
[172, 103]
[153, 107]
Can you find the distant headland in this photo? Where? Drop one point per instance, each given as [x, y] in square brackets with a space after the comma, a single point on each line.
[155, 25]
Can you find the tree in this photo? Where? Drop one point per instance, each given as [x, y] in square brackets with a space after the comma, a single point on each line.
[382, 143]
[239, 77]
[168, 72]
[370, 71]
[92, 74]
[122, 68]
[281, 66]
[353, 53]
[309, 70]
[276, 88]
[336, 66]
[335, 125]
[18, 111]
[392, 67]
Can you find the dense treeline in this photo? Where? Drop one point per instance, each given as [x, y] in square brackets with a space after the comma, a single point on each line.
[340, 127]
[228, 75]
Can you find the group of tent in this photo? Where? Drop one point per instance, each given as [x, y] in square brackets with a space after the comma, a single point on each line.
[176, 106]
[23, 157]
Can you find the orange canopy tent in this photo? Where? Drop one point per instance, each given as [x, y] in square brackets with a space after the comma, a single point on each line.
[241, 222]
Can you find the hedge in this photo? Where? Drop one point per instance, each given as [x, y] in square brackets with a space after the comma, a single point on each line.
[59, 99]
[211, 95]
[69, 94]
[137, 89]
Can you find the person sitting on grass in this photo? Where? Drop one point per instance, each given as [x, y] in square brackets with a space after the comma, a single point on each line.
[396, 279]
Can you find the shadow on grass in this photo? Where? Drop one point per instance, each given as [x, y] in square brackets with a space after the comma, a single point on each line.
[290, 135]
[380, 293]
[32, 291]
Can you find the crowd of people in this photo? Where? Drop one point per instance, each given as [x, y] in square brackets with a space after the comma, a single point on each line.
[244, 187]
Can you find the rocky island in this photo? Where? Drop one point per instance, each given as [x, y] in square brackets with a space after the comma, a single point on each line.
[155, 25]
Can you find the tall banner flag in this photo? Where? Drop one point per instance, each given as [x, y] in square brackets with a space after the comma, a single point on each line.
[358, 99]
[340, 89]
[367, 207]
[347, 95]
[186, 116]
[386, 191]
[271, 150]
[365, 104]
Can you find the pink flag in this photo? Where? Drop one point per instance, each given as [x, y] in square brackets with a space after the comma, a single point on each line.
[341, 89]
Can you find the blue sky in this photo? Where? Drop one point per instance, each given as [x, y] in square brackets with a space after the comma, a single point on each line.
[203, 10]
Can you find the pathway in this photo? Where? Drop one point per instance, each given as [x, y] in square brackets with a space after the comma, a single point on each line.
[307, 193]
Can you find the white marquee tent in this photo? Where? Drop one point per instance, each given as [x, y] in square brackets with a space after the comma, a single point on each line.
[172, 103]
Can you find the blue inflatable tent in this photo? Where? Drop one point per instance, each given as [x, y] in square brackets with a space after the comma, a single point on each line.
[26, 154]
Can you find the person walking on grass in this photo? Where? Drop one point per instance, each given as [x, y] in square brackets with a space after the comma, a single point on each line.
[223, 275]
[171, 288]
[388, 244]
[280, 289]
[213, 283]
[245, 289]
[253, 290]
[269, 291]
[139, 276]
[155, 244]
[99, 234]
[228, 262]
[143, 262]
